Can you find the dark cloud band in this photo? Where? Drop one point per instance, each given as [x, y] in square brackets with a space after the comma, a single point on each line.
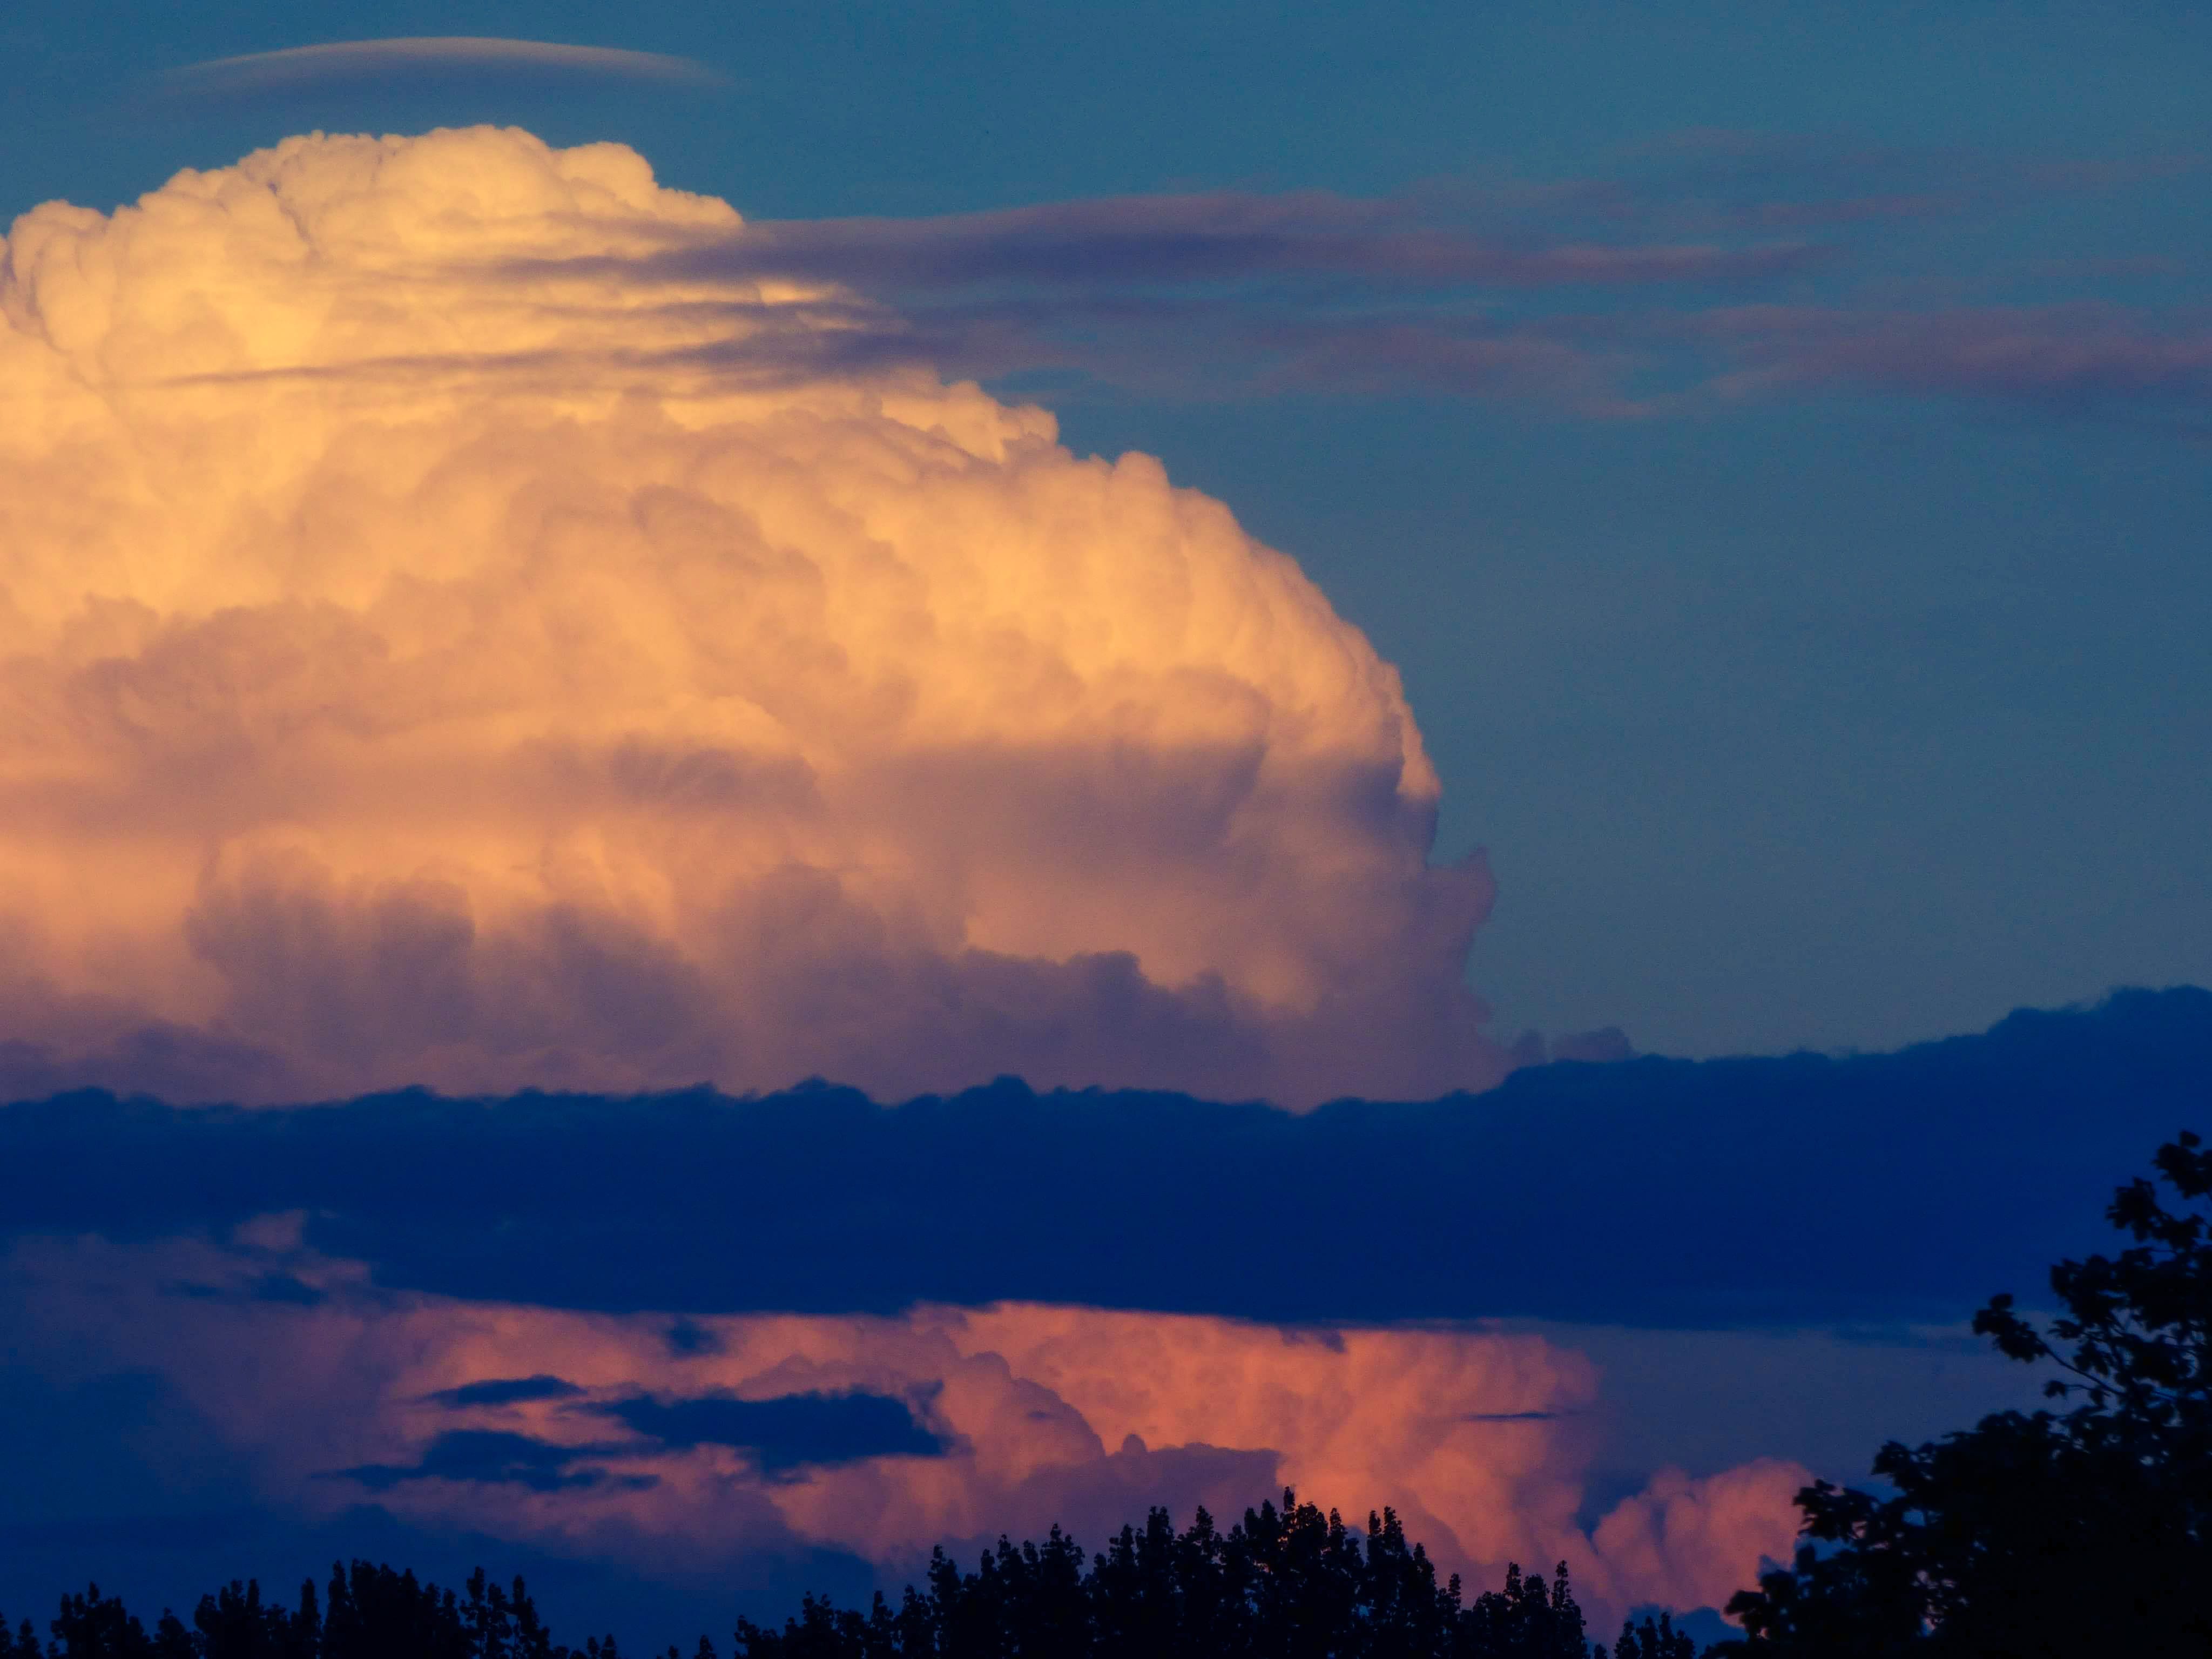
[1741, 1191]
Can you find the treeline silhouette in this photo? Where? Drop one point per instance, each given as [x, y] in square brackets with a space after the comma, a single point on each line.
[369, 1612]
[2080, 1533]
[1286, 1584]
[1291, 1582]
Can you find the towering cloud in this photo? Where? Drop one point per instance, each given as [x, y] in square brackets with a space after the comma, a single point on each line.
[425, 657]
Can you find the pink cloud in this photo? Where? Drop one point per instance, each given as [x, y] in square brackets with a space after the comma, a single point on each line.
[1684, 1542]
[1041, 1414]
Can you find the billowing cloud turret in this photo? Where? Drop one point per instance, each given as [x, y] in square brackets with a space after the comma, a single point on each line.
[426, 658]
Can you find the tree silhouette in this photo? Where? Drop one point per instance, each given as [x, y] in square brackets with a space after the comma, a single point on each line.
[1292, 1582]
[1650, 1641]
[369, 1612]
[2074, 1533]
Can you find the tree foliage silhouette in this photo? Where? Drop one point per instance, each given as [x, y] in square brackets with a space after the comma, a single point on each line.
[369, 1612]
[2081, 1531]
[1650, 1640]
[1287, 1583]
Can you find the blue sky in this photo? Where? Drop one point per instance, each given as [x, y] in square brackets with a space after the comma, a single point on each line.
[1852, 707]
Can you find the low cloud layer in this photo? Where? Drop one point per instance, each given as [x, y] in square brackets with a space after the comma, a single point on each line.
[874, 1438]
[413, 670]
[1165, 1202]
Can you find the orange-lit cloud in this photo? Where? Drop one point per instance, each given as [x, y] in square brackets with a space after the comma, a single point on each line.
[424, 658]
[540, 1427]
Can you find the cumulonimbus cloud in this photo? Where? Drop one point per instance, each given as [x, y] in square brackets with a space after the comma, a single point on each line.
[599, 1437]
[412, 670]
[343, 62]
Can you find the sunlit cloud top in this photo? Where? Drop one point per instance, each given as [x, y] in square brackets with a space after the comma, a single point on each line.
[426, 656]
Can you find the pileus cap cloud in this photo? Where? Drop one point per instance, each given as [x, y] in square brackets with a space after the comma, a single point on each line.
[340, 61]
[424, 658]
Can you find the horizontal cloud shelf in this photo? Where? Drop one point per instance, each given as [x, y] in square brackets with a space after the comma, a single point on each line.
[1892, 1187]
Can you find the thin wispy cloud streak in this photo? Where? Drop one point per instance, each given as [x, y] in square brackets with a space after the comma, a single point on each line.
[1224, 294]
[1734, 271]
[2083, 360]
[353, 63]
[2076, 357]
[2087, 360]
[1185, 345]
[1216, 236]
[1706, 182]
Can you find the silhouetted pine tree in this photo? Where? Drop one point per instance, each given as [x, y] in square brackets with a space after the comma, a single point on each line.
[93, 1626]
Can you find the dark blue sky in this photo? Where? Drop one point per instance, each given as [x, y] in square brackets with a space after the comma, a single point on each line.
[1815, 638]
